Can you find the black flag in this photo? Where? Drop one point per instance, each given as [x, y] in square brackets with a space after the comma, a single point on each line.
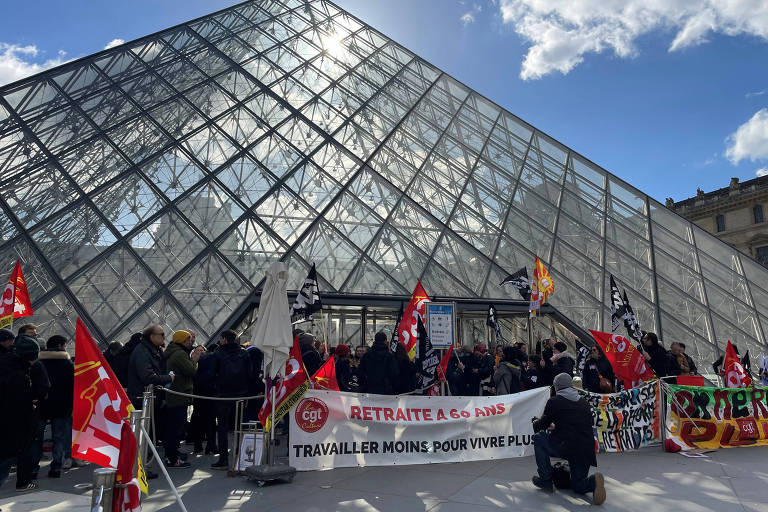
[630, 321]
[427, 359]
[581, 359]
[746, 363]
[308, 298]
[618, 306]
[493, 321]
[395, 336]
[520, 281]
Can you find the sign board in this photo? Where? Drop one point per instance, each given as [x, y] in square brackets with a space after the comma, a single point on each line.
[251, 448]
[441, 323]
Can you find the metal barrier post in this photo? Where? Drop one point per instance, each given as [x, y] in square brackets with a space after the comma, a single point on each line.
[103, 488]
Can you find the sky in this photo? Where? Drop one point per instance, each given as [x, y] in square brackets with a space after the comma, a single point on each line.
[669, 95]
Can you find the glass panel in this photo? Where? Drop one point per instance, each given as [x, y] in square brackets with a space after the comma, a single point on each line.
[461, 260]
[177, 117]
[358, 223]
[138, 138]
[38, 280]
[398, 257]
[637, 276]
[685, 278]
[416, 224]
[111, 290]
[585, 242]
[93, 164]
[242, 126]
[128, 202]
[276, 155]
[56, 316]
[578, 269]
[333, 255]
[251, 249]
[247, 180]
[313, 185]
[574, 303]
[375, 192]
[210, 209]
[437, 281]
[210, 147]
[173, 172]
[285, 214]
[526, 232]
[369, 278]
[682, 307]
[474, 229]
[42, 192]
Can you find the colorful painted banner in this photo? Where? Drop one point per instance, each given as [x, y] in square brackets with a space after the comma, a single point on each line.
[627, 420]
[710, 418]
[331, 429]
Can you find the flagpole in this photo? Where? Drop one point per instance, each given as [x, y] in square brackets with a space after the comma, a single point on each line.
[272, 421]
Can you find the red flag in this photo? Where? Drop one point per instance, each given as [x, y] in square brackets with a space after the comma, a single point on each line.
[288, 389]
[127, 496]
[99, 404]
[627, 362]
[406, 330]
[442, 368]
[15, 302]
[325, 376]
[735, 376]
[541, 286]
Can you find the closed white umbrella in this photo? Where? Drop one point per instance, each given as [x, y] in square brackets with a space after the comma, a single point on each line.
[273, 332]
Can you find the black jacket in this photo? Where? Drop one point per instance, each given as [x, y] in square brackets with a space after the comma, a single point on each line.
[122, 361]
[565, 364]
[484, 367]
[406, 380]
[673, 367]
[233, 372]
[379, 370]
[573, 437]
[311, 358]
[205, 378]
[593, 369]
[61, 374]
[343, 373]
[659, 359]
[146, 366]
[16, 420]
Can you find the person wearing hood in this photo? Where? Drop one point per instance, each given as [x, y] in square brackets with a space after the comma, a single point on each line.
[565, 431]
[15, 397]
[562, 360]
[379, 368]
[654, 354]
[508, 376]
[121, 362]
[182, 361]
[595, 367]
[57, 407]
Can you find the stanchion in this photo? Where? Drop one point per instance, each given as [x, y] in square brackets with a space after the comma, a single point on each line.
[103, 487]
[151, 446]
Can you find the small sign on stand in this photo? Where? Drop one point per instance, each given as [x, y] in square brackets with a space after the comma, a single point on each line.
[441, 323]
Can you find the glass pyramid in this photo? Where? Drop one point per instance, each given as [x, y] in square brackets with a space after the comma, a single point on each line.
[160, 178]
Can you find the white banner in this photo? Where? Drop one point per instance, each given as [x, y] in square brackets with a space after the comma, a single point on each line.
[330, 429]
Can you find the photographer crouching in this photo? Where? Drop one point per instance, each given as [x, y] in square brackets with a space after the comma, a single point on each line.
[565, 431]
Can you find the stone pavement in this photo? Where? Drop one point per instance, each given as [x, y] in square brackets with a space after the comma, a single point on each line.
[648, 480]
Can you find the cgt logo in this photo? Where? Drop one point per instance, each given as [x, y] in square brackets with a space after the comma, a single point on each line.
[311, 414]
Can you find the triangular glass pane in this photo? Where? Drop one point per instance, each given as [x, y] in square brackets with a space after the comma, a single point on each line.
[173, 172]
[474, 229]
[164, 312]
[437, 281]
[138, 138]
[330, 251]
[128, 202]
[393, 168]
[108, 107]
[210, 209]
[398, 257]
[577, 266]
[211, 147]
[314, 186]
[682, 306]
[492, 206]
[300, 134]
[462, 260]
[17, 151]
[241, 125]
[275, 154]
[246, 180]
[350, 216]
[369, 278]
[112, 289]
[512, 256]
[210, 291]
[525, 231]
[285, 214]
[210, 99]
[574, 303]
[336, 162]
[251, 249]
[375, 192]
[416, 224]
[56, 316]
[167, 245]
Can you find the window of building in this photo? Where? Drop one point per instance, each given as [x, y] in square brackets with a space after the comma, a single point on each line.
[762, 255]
[720, 223]
[757, 212]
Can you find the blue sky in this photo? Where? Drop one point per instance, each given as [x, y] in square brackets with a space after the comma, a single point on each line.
[669, 97]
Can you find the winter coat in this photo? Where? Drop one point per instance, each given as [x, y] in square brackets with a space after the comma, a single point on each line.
[343, 373]
[177, 360]
[61, 374]
[673, 367]
[593, 369]
[406, 381]
[379, 369]
[531, 379]
[565, 364]
[205, 378]
[547, 373]
[484, 366]
[256, 358]
[122, 361]
[506, 378]
[16, 420]
[146, 367]
[572, 437]
[311, 358]
[232, 372]
[659, 359]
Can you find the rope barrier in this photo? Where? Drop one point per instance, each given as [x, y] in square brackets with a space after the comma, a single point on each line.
[201, 397]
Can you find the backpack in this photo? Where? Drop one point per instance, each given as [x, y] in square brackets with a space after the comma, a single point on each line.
[234, 371]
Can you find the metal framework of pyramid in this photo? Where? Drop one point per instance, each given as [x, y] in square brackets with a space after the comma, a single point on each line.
[158, 180]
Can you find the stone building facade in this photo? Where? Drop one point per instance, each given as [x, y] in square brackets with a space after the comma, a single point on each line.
[737, 214]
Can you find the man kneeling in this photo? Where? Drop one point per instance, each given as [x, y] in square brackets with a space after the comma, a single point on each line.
[565, 431]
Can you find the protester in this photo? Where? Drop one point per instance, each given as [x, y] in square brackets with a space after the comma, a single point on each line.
[562, 360]
[57, 407]
[146, 365]
[716, 366]
[379, 368]
[407, 370]
[360, 351]
[343, 367]
[356, 379]
[498, 355]
[565, 431]
[17, 420]
[477, 368]
[598, 376]
[654, 354]
[111, 353]
[454, 374]
[203, 422]
[678, 362]
[256, 382]
[182, 361]
[531, 378]
[507, 378]
[546, 368]
[523, 348]
[309, 354]
[122, 361]
[232, 376]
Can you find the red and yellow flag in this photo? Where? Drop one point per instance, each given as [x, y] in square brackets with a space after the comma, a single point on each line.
[733, 371]
[289, 388]
[406, 330]
[325, 376]
[542, 286]
[627, 362]
[15, 302]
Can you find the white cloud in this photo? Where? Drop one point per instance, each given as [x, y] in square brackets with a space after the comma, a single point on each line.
[755, 94]
[561, 32]
[114, 42]
[750, 140]
[467, 18]
[17, 62]
[761, 172]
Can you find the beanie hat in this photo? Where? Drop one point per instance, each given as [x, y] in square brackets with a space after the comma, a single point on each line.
[561, 347]
[6, 334]
[562, 381]
[180, 336]
[26, 347]
[342, 350]
[305, 339]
